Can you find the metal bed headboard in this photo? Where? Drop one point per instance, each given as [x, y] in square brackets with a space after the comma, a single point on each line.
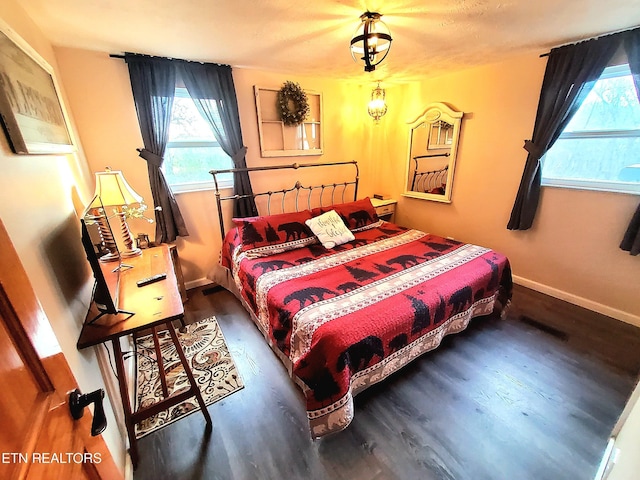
[337, 190]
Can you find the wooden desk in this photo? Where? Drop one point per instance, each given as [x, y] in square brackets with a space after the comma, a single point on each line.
[155, 305]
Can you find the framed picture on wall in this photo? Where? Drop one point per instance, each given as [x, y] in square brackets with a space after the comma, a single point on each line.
[30, 109]
[280, 140]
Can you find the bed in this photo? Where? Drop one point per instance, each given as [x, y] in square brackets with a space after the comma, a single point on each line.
[346, 317]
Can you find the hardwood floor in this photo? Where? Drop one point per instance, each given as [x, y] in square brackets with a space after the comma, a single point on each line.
[533, 396]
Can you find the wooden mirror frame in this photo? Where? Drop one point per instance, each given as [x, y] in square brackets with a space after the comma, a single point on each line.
[432, 116]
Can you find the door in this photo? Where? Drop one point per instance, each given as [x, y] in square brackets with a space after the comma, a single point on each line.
[38, 437]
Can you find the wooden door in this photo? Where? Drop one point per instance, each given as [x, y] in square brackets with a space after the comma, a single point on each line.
[38, 437]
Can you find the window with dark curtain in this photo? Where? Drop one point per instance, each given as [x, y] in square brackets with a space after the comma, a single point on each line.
[631, 239]
[153, 82]
[571, 72]
[569, 77]
[212, 89]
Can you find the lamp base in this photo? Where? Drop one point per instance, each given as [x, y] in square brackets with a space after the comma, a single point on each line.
[109, 257]
[131, 253]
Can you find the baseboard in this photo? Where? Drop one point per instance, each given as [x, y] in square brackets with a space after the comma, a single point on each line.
[607, 462]
[579, 301]
[197, 283]
[128, 468]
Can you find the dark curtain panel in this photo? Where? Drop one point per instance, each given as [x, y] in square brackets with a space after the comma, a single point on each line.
[570, 75]
[153, 81]
[631, 239]
[212, 89]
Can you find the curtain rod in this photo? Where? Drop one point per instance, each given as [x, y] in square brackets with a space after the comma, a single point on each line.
[590, 38]
[122, 57]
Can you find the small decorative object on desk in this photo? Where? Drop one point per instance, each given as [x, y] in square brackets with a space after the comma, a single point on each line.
[142, 240]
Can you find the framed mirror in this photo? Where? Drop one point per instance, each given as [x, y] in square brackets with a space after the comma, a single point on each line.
[433, 145]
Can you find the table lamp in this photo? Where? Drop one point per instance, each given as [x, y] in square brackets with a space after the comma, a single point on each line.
[114, 191]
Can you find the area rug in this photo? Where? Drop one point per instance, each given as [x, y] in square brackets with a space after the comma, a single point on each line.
[211, 363]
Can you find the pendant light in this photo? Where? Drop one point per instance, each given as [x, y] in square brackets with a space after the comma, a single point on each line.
[371, 41]
[377, 106]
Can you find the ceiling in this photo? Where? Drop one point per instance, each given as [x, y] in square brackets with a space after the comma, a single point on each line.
[312, 38]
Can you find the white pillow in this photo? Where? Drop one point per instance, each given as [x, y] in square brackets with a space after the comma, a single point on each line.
[330, 229]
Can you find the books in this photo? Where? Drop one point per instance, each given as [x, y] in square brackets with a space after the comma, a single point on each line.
[381, 196]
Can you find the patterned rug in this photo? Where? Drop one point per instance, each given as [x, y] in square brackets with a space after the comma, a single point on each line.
[211, 363]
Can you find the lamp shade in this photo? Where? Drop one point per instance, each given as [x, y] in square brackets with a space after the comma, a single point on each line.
[371, 41]
[113, 190]
[377, 106]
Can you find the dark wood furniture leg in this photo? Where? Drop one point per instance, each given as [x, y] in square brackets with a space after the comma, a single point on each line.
[194, 386]
[160, 363]
[126, 402]
[131, 418]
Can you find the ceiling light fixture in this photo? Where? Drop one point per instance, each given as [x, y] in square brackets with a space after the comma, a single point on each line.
[377, 106]
[371, 41]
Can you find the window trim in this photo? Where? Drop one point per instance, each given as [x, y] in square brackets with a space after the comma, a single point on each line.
[630, 188]
[601, 134]
[200, 187]
[192, 143]
[592, 185]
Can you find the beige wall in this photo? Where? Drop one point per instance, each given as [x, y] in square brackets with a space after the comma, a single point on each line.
[572, 250]
[100, 97]
[39, 195]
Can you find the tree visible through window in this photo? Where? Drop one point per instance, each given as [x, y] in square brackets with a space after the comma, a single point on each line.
[192, 150]
[600, 147]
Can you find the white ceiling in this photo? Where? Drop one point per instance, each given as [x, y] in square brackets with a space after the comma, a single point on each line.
[312, 38]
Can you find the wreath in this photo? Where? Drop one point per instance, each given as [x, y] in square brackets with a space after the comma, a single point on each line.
[292, 104]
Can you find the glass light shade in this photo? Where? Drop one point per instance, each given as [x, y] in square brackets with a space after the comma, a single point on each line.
[377, 106]
[371, 41]
[113, 189]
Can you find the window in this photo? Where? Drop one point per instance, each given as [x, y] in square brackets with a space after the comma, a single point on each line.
[192, 150]
[600, 147]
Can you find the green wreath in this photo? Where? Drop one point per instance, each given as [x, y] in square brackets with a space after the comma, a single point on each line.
[292, 104]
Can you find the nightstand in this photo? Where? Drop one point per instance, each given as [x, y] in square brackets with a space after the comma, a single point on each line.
[384, 208]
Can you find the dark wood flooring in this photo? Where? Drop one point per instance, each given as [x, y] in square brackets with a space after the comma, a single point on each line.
[533, 396]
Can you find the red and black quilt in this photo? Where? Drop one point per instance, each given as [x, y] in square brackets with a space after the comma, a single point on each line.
[346, 318]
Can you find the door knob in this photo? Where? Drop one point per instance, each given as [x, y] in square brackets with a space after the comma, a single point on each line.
[77, 403]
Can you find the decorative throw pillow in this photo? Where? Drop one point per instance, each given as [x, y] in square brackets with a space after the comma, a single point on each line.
[330, 229]
[285, 229]
[356, 215]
